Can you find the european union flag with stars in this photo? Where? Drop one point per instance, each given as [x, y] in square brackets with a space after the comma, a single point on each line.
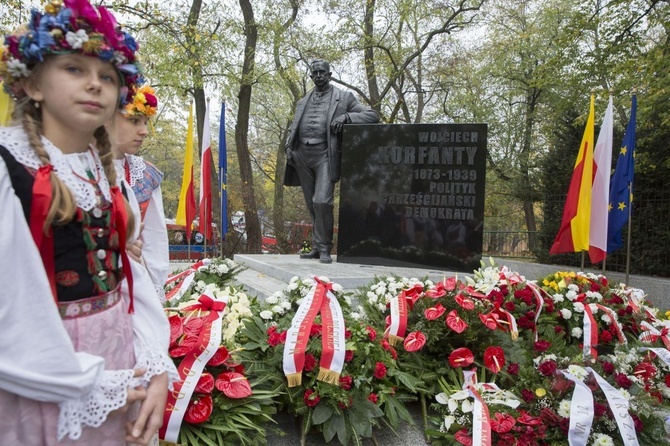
[621, 186]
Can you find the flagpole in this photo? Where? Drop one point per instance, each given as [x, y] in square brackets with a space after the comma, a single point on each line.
[205, 233]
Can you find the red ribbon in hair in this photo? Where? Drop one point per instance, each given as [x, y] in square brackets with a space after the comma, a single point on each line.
[120, 221]
[39, 208]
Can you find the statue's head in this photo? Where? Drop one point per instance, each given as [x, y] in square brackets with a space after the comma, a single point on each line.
[320, 73]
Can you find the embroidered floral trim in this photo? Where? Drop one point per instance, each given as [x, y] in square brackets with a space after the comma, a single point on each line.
[65, 166]
[67, 278]
[90, 306]
[137, 166]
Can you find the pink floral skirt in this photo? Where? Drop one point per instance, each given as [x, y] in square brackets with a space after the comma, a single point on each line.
[99, 326]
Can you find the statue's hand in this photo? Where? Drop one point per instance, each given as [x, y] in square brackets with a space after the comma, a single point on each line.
[336, 125]
[289, 156]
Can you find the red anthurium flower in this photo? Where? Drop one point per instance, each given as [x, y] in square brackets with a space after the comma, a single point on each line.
[474, 293]
[502, 423]
[645, 370]
[494, 359]
[184, 346]
[435, 312]
[455, 322]
[528, 420]
[461, 357]
[205, 383]
[219, 357]
[463, 437]
[233, 385]
[176, 328]
[490, 320]
[199, 409]
[441, 288]
[464, 302]
[415, 341]
[193, 325]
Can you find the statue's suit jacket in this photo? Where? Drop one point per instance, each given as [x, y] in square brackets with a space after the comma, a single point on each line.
[341, 102]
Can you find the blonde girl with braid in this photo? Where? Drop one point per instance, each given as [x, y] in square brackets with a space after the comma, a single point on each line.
[82, 334]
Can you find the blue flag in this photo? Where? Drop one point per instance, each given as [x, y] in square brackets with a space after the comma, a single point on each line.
[223, 172]
[621, 186]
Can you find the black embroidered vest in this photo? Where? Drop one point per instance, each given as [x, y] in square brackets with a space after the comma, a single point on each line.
[86, 249]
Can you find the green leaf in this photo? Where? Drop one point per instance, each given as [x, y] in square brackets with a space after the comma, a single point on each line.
[321, 413]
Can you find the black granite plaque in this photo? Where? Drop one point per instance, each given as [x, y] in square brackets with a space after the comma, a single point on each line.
[412, 195]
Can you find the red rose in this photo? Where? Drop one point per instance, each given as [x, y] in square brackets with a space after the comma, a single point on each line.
[622, 381]
[494, 359]
[151, 100]
[274, 339]
[380, 370]
[346, 382]
[527, 395]
[310, 362]
[414, 341]
[560, 384]
[435, 312]
[639, 425]
[373, 398]
[558, 329]
[599, 409]
[509, 306]
[199, 409]
[547, 368]
[372, 334]
[315, 330]
[541, 345]
[347, 333]
[513, 369]
[461, 357]
[667, 380]
[605, 337]
[348, 355]
[311, 398]
[608, 367]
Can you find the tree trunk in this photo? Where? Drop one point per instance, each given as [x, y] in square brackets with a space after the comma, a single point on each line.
[525, 187]
[369, 56]
[253, 226]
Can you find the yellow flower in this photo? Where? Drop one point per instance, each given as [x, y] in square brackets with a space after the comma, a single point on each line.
[562, 284]
[540, 392]
[53, 7]
[545, 282]
[553, 285]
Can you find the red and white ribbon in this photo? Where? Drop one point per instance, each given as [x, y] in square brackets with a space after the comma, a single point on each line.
[514, 331]
[539, 303]
[581, 412]
[191, 367]
[399, 313]
[619, 407]
[320, 299]
[662, 353]
[481, 418]
[183, 281]
[590, 333]
[651, 334]
[615, 323]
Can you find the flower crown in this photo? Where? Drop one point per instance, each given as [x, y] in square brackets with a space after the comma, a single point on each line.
[143, 101]
[68, 26]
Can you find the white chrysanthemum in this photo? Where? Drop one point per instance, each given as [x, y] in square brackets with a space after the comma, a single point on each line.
[222, 268]
[278, 309]
[603, 440]
[76, 40]
[606, 318]
[382, 307]
[577, 371]
[292, 286]
[17, 69]
[285, 304]
[594, 295]
[558, 297]
[573, 287]
[266, 314]
[355, 316]
[566, 314]
[564, 409]
[337, 288]
[571, 295]
[578, 307]
[300, 301]
[576, 332]
[272, 299]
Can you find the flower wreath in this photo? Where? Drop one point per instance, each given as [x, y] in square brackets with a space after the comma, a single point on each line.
[143, 101]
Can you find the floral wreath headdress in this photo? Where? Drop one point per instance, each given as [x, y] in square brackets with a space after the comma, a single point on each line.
[68, 26]
[142, 101]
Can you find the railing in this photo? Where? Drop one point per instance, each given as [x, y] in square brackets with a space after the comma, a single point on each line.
[512, 244]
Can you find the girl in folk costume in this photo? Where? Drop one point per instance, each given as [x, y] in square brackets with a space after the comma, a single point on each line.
[145, 180]
[76, 352]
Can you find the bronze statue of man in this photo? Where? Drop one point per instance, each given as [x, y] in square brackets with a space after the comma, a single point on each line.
[314, 151]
